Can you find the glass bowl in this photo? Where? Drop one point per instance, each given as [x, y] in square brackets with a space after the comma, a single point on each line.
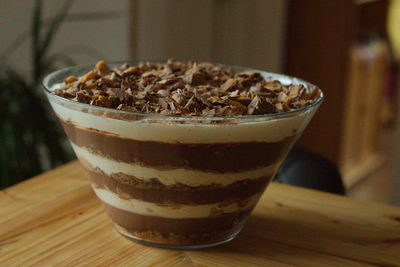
[175, 181]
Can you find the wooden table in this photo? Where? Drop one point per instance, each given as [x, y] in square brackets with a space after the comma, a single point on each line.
[55, 219]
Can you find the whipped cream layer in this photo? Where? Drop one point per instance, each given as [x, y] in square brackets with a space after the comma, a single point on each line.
[169, 131]
[168, 177]
[173, 211]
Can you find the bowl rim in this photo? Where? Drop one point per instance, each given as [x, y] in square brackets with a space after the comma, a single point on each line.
[273, 76]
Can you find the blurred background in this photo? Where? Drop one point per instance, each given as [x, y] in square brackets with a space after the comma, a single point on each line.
[350, 49]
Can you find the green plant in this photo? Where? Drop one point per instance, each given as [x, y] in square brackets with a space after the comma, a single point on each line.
[31, 139]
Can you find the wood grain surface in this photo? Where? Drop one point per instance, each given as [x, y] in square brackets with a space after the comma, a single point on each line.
[56, 220]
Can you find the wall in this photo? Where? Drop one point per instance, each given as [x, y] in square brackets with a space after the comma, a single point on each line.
[248, 33]
[83, 41]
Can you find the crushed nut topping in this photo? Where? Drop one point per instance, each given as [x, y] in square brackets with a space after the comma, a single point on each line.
[192, 89]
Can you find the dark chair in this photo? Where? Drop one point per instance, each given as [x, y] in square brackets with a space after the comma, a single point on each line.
[307, 169]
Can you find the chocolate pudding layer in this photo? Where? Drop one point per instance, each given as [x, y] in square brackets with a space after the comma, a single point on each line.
[218, 157]
[178, 194]
[178, 231]
[179, 154]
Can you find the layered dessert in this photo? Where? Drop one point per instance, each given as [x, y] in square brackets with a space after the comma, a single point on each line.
[179, 153]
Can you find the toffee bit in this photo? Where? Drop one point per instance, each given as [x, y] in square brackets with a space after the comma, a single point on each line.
[88, 76]
[103, 68]
[132, 70]
[70, 79]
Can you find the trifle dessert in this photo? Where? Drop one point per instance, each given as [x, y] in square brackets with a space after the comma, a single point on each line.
[180, 153]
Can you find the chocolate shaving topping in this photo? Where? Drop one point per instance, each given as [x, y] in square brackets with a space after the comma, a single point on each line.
[192, 89]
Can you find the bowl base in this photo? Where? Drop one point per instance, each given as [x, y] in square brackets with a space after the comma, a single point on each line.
[174, 246]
